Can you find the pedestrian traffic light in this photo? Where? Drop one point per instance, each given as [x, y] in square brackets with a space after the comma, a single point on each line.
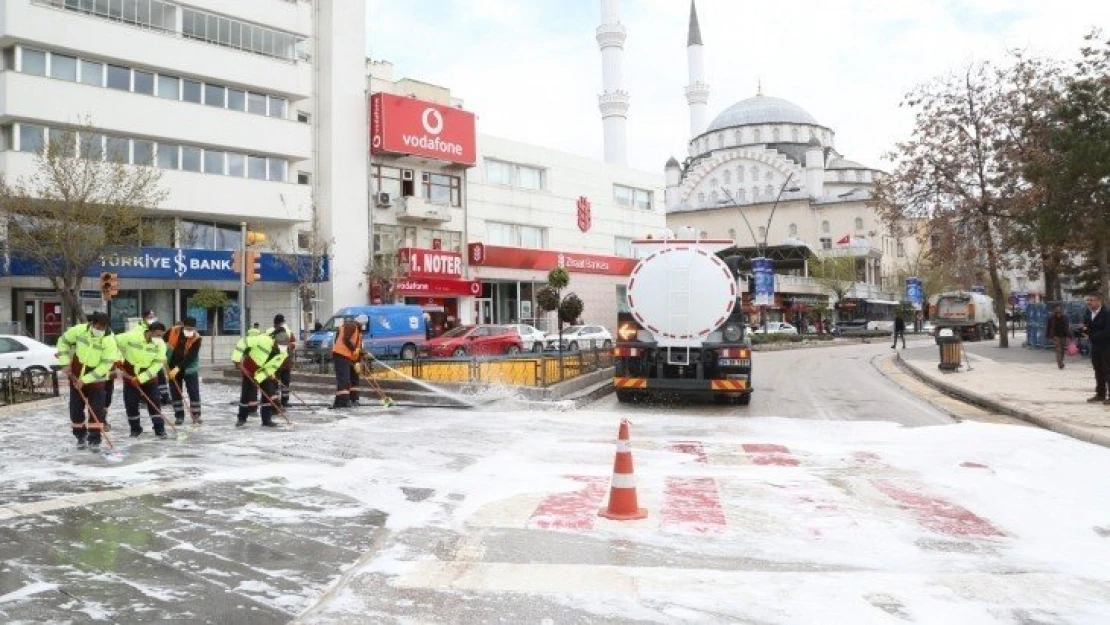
[236, 262]
[252, 266]
[255, 237]
[109, 285]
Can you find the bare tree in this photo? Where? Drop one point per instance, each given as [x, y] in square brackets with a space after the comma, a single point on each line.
[306, 259]
[838, 274]
[75, 209]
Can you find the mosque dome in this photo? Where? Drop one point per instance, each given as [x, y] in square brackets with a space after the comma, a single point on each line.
[762, 109]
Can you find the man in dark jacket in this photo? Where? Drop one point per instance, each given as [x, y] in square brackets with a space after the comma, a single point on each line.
[1096, 326]
[1057, 330]
[899, 331]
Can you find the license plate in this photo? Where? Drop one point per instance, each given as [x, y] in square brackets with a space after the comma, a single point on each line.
[734, 362]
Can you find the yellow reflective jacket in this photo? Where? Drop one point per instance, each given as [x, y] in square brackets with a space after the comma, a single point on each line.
[145, 357]
[259, 355]
[90, 358]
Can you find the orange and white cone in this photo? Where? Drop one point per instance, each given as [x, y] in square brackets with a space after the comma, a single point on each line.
[622, 494]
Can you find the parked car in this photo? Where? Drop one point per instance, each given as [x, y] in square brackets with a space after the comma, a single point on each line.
[388, 331]
[776, 327]
[26, 354]
[485, 340]
[581, 337]
[533, 340]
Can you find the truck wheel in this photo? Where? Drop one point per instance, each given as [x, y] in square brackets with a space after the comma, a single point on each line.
[408, 352]
[744, 399]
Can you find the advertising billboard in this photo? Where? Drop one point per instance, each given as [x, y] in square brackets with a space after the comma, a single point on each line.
[763, 269]
[400, 125]
[915, 293]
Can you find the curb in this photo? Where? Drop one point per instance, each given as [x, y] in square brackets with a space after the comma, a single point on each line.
[1095, 438]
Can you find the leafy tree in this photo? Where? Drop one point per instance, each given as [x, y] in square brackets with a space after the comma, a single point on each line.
[74, 209]
[550, 298]
[836, 273]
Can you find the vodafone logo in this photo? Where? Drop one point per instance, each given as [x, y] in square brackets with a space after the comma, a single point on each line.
[432, 120]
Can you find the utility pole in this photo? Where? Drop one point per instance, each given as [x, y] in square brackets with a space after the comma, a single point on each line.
[243, 269]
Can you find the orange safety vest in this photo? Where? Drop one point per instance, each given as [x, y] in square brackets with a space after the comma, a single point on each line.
[348, 341]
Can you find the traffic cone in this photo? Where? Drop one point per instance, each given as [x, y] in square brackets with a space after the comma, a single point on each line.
[622, 493]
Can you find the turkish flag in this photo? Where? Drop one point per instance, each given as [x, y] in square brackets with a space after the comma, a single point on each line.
[844, 240]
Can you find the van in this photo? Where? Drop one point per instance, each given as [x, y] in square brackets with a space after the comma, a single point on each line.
[388, 331]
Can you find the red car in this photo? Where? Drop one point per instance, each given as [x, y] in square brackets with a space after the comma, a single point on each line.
[483, 340]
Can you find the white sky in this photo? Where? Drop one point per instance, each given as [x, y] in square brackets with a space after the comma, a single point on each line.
[531, 69]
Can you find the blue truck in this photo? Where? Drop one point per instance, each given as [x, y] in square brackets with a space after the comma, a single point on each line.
[388, 331]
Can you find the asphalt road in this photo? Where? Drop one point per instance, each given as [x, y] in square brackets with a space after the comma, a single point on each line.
[842, 382]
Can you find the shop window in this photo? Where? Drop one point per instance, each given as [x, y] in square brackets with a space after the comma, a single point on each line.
[223, 321]
[124, 306]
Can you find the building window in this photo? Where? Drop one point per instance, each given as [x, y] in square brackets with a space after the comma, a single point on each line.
[236, 165]
[825, 226]
[762, 233]
[92, 146]
[794, 134]
[144, 82]
[901, 250]
[63, 143]
[142, 152]
[277, 169]
[169, 87]
[303, 177]
[826, 243]
[235, 34]
[741, 195]
[190, 158]
[727, 176]
[236, 100]
[214, 162]
[256, 103]
[513, 174]
[776, 134]
[442, 189]
[92, 73]
[758, 135]
[770, 191]
[277, 107]
[119, 78]
[622, 246]
[515, 235]
[215, 95]
[190, 91]
[209, 236]
[701, 199]
[387, 180]
[793, 230]
[738, 138]
[168, 157]
[631, 196]
[34, 62]
[859, 223]
[63, 67]
[256, 167]
[118, 150]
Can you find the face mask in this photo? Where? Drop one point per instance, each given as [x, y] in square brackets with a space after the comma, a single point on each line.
[151, 320]
[96, 333]
[190, 333]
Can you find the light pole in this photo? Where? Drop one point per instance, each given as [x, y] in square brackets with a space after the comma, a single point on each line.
[761, 247]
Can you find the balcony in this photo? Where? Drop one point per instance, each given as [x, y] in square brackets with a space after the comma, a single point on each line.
[419, 210]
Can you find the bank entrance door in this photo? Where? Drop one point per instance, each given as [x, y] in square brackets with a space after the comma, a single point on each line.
[42, 316]
[483, 311]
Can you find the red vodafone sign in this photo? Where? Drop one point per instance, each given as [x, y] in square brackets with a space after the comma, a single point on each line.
[424, 287]
[430, 263]
[400, 125]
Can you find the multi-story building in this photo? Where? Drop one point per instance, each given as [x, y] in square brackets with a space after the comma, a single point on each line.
[253, 111]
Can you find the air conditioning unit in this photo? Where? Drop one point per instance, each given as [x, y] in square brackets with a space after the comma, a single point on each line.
[384, 199]
[407, 174]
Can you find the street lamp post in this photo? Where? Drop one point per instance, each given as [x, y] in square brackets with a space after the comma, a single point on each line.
[761, 246]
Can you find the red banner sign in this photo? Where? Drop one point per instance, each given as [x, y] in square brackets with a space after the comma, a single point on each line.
[429, 287]
[430, 263]
[400, 125]
[546, 260]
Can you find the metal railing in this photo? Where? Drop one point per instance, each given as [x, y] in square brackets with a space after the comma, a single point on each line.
[535, 370]
[17, 387]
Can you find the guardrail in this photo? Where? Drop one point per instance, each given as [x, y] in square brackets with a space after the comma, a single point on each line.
[17, 387]
[539, 370]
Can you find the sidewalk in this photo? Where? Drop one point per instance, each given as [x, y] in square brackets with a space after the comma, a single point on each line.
[1020, 382]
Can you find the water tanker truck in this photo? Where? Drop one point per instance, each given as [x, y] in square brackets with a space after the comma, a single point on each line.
[969, 315]
[683, 332]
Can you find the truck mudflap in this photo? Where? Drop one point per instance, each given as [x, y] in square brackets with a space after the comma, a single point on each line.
[684, 386]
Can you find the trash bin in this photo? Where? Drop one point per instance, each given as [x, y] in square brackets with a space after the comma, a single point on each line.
[951, 352]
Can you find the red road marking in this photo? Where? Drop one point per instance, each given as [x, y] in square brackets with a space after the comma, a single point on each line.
[693, 448]
[768, 454]
[692, 504]
[937, 514]
[572, 510]
[868, 459]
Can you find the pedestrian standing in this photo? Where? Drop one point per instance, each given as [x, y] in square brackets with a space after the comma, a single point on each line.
[258, 358]
[346, 357]
[899, 331]
[87, 352]
[1057, 330]
[287, 343]
[142, 358]
[1096, 327]
[183, 363]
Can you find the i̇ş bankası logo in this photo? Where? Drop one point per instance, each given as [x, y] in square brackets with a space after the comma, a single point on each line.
[432, 121]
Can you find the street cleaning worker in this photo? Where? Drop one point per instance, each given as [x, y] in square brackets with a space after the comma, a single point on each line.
[346, 357]
[287, 343]
[142, 358]
[87, 353]
[258, 358]
[183, 364]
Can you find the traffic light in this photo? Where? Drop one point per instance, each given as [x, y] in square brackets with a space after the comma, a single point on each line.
[109, 285]
[236, 262]
[252, 266]
[255, 237]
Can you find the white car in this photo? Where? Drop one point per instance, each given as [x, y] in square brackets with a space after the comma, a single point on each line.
[777, 327]
[581, 337]
[533, 339]
[26, 354]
